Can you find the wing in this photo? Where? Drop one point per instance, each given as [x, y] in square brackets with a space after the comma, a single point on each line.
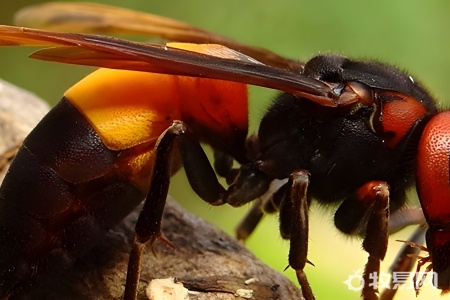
[103, 19]
[108, 52]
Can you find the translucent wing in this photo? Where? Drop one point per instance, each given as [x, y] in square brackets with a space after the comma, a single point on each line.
[103, 19]
[108, 52]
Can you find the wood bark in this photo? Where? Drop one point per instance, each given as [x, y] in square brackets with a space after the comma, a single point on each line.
[209, 263]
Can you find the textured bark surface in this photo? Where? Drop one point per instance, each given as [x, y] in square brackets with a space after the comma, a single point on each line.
[208, 262]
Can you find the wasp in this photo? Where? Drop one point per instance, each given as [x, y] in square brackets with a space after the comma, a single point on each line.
[354, 134]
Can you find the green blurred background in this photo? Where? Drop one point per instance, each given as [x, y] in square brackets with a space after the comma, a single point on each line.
[411, 34]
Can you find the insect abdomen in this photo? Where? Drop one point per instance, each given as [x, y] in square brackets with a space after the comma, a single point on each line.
[60, 193]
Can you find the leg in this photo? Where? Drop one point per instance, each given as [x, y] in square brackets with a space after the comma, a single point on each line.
[268, 203]
[294, 225]
[148, 226]
[223, 163]
[251, 220]
[405, 261]
[368, 208]
[201, 177]
[408, 255]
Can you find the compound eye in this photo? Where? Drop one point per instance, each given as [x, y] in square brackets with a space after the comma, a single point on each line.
[433, 164]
